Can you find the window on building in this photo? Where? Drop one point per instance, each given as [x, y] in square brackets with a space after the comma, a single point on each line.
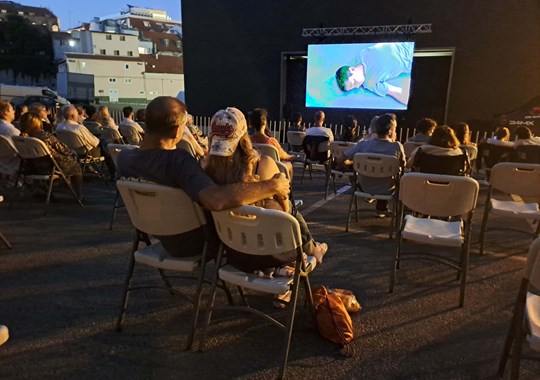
[83, 65]
[117, 52]
[102, 51]
[112, 80]
[108, 37]
[130, 53]
[146, 23]
[178, 44]
[122, 38]
[4, 11]
[31, 14]
[165, 42]
[20, 13]
[127, 80]
[126, 66]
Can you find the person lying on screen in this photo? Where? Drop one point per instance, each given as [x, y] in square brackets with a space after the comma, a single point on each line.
[377, 65]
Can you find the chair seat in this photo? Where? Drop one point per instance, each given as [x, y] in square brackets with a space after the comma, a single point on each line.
[341, 174]
[277, 285]
[532, 309]
[155, 256]
[433, 231]
[387, 197]
[515, 209]
[41, 177]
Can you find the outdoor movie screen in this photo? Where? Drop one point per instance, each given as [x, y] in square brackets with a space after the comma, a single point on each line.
[367, 75]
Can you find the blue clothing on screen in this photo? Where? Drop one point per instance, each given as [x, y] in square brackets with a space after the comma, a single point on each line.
[385, 61]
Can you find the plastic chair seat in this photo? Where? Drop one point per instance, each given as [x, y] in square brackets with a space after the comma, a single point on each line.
[155, 256]
[532, 308]
[433, 231]
[341, 174]
[515, 209]
[276, 285]
[361, 194]
[41, 177]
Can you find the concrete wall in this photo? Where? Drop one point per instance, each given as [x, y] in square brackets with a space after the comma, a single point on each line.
[233, 57]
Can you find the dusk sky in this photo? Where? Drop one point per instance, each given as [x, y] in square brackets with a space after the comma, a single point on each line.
[71, 13]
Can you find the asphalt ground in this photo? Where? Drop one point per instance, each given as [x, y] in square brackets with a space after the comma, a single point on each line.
[61, 286]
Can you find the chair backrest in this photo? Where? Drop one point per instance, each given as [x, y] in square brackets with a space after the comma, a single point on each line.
[439, 164]
[9, 157]
[438, 195]
[337, 148]
[471, 151]
[111, 135]
[30, 147]
[295, 138]
[130, 134]
[186, 145]
[516, 178]
[72, 140]
[159, 210]
[317, 148]
[527, 153]
[283, 169]
[532, 268]
[410, 146]
[376, 165]
[257, 231]
[267, 150]
[115, 149]
[493, 154]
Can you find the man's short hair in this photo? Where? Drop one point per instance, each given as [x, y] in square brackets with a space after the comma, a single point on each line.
[425, 125]
[90, 110]
[384, 124]
[67, 110]
[342, 74]
[126, 111]
[319, 116]
[36, 107]
[164, 114]
[4, 106]
[256, 118]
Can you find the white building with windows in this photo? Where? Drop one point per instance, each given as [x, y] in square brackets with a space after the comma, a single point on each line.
[124, 63]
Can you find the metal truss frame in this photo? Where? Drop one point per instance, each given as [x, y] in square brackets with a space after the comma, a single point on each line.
[366, 30]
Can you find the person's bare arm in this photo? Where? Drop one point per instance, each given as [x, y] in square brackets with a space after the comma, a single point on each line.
[199, 151]
[218, 198]
[401, 94]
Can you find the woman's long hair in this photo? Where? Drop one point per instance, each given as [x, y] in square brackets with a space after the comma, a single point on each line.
[30, 122]
[444, 137]
[237, 168]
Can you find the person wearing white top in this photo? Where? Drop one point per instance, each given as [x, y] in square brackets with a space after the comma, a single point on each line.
[130, 130]
[318, 129]
[7, 115]
[71, 124]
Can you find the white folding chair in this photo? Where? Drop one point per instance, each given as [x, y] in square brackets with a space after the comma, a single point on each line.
[525, 322]
[295, 140]
[376, 167]
[75, 143]
[163, 211]
[256, 231]
[267, 150]
[337, 148]
[511, 179]
[9, 157]
[114, 150]
[130, 135]
[29, 149]
[441, 209]
[186, 145]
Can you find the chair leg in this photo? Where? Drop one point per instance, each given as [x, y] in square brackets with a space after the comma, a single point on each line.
[290, 319]
[243, 296]
[518, 348]
[167, 283]
[537, 233]
[463, 273]
[115, 207]
[350, 209]
[483, 228]
[208, 317]
[127, 284]
[6, 242]
[303, 172]
[49, 192]
[198, 296]
[77, 198]
[396, 263]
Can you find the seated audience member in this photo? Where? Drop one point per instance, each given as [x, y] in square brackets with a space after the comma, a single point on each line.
[258, 119]
[82, 113]
[318, 129]
[350, 129]
[4, 334]
[524, 136]
[197, 134]
[463, 134]
[442, 142]
[140, 117]
[43, 113]
[20, 109]
[7, 115]
[106, 119]
[296, 123]
[159, 161]
[131, 131]
[501, 138]
[66, 159]
[232, 160]
[424, 129]
[385, 128]
[92, 120]
[370, 134]
[71, 124]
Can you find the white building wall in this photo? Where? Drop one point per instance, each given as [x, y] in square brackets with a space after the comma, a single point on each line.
[124, 45]
[159, 84]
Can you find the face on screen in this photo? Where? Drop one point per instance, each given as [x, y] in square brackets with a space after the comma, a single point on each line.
[356, 78]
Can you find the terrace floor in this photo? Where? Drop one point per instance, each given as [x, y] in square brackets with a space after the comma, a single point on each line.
[61, 284]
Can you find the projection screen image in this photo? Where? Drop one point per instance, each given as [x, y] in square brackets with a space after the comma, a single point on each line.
[367, 75]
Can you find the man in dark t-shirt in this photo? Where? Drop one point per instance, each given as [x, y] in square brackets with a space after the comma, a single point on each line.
[159, 161]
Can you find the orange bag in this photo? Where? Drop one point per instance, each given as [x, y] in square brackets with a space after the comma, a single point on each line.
[348, 299]
[333, 320]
